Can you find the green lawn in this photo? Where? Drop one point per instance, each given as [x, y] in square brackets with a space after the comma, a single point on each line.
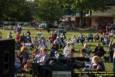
[69, 34]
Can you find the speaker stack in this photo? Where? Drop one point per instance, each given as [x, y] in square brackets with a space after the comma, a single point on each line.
[7, 57]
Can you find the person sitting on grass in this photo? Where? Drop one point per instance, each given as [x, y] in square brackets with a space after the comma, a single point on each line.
[99, 50]
[18, 28]
[35, 42]
[58, 41]
[10, 36]
[42, 62]
[24, 56]
[97, 37]
[85, 51]
[81, 38]
[62, 38]
[101, 37]
[23, 37]
[36, 55]
[74, 40]
[68, 51]
[42, 56]
[54, 51]
[17, 63]
[28, 33]
[29, 45]
[40, 33]
[42, 42]
[17, 41]
[90, 37]
[28, 37]
[97, 64]
[18, 37]
[52, 37]
[106, 40]
[28, 65]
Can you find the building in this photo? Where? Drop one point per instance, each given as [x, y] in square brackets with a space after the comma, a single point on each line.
[98, 17]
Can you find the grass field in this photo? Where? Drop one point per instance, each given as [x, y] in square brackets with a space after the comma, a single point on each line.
[69, 34]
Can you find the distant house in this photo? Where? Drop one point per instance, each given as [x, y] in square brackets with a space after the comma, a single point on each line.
[98, 17]
[104, 17]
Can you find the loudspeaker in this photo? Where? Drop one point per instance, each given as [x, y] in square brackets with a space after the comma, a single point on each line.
[7, 58]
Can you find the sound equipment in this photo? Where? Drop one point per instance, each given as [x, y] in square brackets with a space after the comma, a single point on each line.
[7, 57]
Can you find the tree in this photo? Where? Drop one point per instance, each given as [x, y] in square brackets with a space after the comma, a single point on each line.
[50, 10]
[16, 10]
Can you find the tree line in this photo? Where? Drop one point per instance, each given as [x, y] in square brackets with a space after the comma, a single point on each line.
[48, 10]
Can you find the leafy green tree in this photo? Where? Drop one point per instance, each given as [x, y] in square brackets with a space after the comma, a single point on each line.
[16, 10]
[50, 10]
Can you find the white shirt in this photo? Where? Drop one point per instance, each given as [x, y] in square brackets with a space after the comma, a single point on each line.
[28, 44]
[67, 51]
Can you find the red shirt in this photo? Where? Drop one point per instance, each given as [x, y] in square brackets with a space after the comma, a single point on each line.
[18, 37]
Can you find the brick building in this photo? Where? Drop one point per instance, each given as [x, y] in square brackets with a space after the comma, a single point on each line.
[97, 17]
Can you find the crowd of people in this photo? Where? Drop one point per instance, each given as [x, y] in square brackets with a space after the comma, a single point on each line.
[39, 49]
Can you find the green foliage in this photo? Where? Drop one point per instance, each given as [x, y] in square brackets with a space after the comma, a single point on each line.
[47, 10]
[87, 5]
[15, 10]
[50, 10]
